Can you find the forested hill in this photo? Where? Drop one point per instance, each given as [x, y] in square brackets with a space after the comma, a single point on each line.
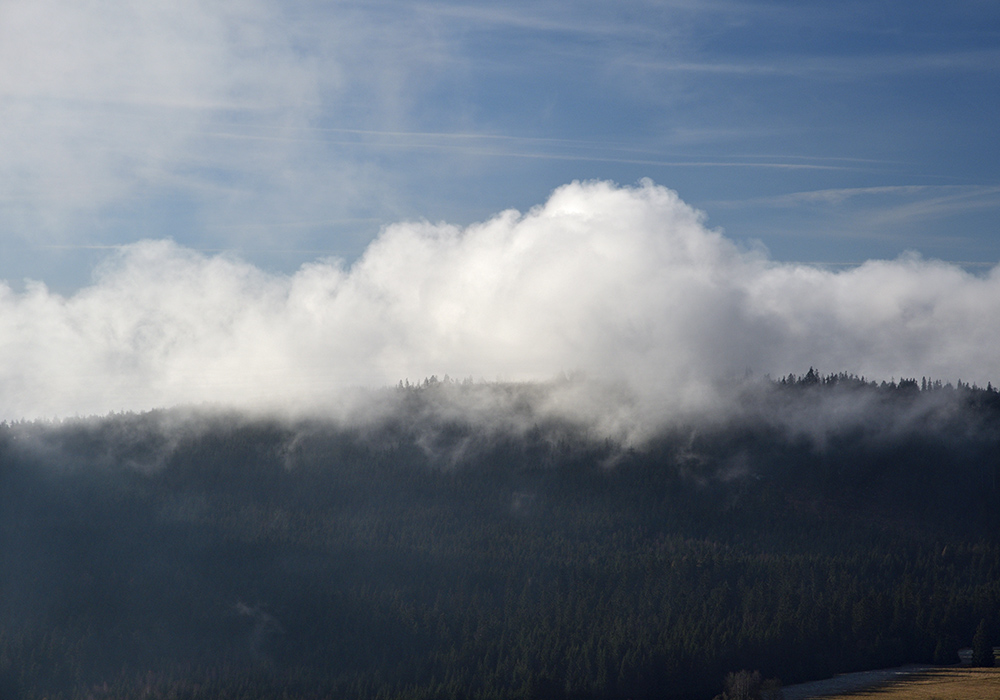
[825, 524]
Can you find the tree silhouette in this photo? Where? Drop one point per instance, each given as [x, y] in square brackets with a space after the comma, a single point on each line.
[743, 685]
[982, 647]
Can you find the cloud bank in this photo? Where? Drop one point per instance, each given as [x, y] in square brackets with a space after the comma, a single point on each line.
[624, 285]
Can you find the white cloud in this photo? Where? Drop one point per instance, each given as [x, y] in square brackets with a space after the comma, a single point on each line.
[118, 103]
[205, 115]
[624, 284]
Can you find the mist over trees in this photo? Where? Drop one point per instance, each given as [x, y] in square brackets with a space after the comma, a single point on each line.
[455, 540]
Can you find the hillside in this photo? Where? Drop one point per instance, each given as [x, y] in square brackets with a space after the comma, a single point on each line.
[827, 524]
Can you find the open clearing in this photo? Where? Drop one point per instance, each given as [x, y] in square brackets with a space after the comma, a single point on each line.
[937, 684]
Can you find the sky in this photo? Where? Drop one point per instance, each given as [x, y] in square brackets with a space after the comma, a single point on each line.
[172, 172]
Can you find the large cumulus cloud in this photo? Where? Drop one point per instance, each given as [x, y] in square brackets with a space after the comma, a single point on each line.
[624, 285]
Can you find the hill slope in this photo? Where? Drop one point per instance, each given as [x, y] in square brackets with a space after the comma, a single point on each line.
[828, 525]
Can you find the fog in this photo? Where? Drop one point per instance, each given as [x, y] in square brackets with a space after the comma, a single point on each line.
[625, 290]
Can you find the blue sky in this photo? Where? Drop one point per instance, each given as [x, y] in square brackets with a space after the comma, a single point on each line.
[287, 131]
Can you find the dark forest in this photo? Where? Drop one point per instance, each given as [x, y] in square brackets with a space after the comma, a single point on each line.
[197, 553]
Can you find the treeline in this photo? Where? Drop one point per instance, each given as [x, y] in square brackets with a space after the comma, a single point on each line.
[814, 378]
[210, 555]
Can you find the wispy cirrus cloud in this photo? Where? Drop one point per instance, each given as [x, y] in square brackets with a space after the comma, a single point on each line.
[100, 102]
[931, 200]
[837, 67]
[496, 145]
[832, 196]
[958, 201]
[123, 111]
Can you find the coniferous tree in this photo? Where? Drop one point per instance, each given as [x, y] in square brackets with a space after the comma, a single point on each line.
[982, 647]
[946, 651]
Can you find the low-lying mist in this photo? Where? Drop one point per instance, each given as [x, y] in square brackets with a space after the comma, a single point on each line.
[656, 318]
[454, 424]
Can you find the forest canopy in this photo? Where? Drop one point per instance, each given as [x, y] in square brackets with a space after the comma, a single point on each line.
[458, 540]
